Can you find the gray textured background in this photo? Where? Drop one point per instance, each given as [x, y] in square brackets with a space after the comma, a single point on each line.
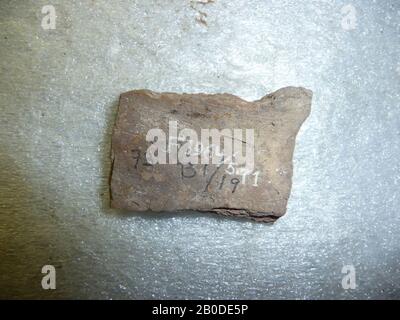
[58, 94]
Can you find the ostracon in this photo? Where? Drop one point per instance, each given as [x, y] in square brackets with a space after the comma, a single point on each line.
[206, 152]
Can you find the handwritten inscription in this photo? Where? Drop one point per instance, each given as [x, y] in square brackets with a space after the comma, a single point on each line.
[189, 171]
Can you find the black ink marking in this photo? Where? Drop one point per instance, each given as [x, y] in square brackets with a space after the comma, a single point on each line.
[136, 156]
[205, 170]
[188, 168]
[235, 182]
[214, 173]
[222, 181]
[211, 178]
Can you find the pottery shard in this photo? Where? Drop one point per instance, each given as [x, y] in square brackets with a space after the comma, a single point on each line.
[162, 156]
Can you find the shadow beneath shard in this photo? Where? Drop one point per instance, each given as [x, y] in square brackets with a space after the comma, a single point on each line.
[184, 214]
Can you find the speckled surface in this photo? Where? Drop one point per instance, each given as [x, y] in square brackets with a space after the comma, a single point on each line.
[58, 94]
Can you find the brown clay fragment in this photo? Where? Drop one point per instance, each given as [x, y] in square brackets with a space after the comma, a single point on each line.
[259, 191]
